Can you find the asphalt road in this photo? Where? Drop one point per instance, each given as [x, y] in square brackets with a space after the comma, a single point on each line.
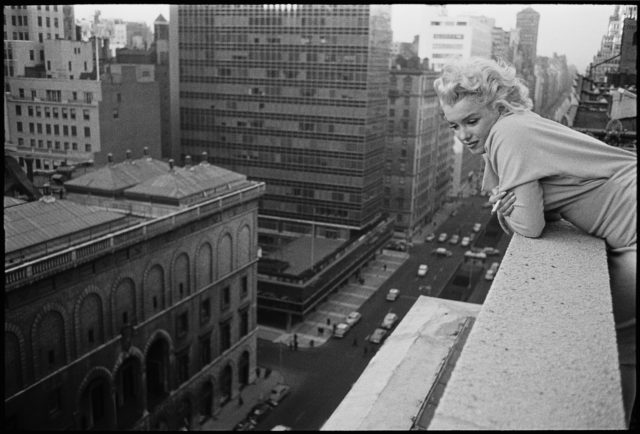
[321, 377]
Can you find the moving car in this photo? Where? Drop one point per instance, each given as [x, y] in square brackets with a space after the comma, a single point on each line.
[475, 255]
[476, 227]
[281, 428]
[378, 336]
[442, 238]
[422, 270]
[454, 239]
[393, 294]
[441, 251]
[430, 237]
[389, 320]
[341, 330]
[353, 318]
[465, 241]
[245, 425]
[494, 266]
[259, 412]
[277, 394]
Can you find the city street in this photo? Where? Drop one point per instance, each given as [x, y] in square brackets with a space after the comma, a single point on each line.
[320, 377]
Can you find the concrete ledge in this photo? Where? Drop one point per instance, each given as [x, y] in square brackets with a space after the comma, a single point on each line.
[542, 354]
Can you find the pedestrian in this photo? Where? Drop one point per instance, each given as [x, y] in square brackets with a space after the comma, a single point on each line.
[328, 321]
[295, 345]
[240, 400]
[538, 170]
[334, 329]
[385, 267]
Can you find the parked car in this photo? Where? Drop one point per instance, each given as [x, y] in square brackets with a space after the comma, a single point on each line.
[465, 241]
[277, 394]
[281, 428]
[377, 336]
[400, 246]
[389, 320]
[353, 318]
[430, 237]
[442, 238]
[245, 425]
[441, 251]
[454, 239]
[475, 255]
[489, 275]
[341, 330]
[259, 412]
[476, 227]
[393, 294]
[426, 288]
[422, 270]
[490, 251]
[494, 266]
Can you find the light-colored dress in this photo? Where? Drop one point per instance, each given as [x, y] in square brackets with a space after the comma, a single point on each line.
[552, 168]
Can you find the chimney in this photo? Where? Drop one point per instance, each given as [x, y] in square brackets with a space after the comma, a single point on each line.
[127, 154]
[145, 152]
[205, 158]
[187, 161]
[171, 165]
[110, 158]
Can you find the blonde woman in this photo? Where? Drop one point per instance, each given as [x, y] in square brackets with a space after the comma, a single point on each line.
[540, 170]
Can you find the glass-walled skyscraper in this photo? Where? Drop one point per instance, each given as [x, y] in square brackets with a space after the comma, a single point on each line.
[293, 95]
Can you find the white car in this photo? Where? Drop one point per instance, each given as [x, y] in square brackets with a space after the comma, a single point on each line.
[353, 318]
[489, 275]
[341, 330]
[442, 238]
[494, 266]
[454, 239]
[441, 251]
[422, 270]
[430, 237]
[389, 320]
[393, 294]
[465, 241]
[476, 227]
[277, 394]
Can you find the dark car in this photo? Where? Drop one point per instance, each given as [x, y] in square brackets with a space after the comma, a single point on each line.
[245, 425]
[259, 412]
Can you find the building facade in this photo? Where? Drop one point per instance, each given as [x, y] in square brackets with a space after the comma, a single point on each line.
[294, 95]
[413, 150]
[449, 37]
[608, 58]
[56, 120]
[138, 319]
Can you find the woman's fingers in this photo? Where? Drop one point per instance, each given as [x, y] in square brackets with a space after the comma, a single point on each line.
[508, 204]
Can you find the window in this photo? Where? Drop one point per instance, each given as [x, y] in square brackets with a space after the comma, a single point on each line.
[87, 147]
[225, 335]
[245, 287]
[225, 297]
[40, 143]
[205, 349]
[57, 144]
[74, 131]
[74, 146]
[88, 97]
[85, 114]
[65, 130]
[72, 113]
[47, 112]
[55, 112]
[55, 401]
[64, 113]
[30, 110]
[32, 128]
[39, 127]
[115, 113]
[19, 125]
[48, 128]
[49, 145]
[205, 311]
[182, 360]
[87, 131]
[40, 21]
[38, 112]
[182, 324]
[244, 322]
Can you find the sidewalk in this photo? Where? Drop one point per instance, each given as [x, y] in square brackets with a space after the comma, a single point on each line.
[232, 413]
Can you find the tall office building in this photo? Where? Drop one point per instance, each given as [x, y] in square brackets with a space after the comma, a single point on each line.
[293, 95]
[607, 60]
[527, 21]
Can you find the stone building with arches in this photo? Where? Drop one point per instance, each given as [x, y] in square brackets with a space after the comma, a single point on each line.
[139, 313]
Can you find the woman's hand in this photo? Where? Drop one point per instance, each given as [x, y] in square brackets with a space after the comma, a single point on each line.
[507, 202]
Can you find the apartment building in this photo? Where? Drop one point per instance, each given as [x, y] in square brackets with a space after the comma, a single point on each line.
[54, 120]
[414, 148]
[131, 302]
[527, 21]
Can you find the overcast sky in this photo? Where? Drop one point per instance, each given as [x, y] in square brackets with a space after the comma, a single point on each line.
[574, 30]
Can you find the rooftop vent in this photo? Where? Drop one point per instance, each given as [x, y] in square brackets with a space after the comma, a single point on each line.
[110, 158]
[145, 152]
[205, 158]
[127, 154]
[187, 161]
[47, 197]
[171, 164]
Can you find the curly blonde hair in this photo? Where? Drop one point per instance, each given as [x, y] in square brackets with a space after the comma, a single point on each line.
[487, 81]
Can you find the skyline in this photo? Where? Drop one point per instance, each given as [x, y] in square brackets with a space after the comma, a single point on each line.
[580, 43]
